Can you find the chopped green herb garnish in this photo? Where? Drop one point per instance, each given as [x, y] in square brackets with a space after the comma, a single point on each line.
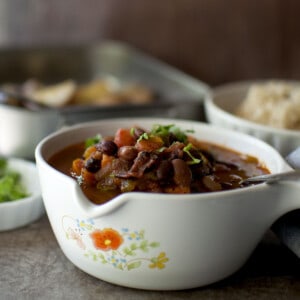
[164, 131]
[93, 140]
[144, 136]
[132, 131]
[11, 187]
[194, 160]
[3, 164]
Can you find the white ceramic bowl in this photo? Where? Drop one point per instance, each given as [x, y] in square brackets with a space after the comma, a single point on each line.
[21, 130]
[24, 211]
[225, 99]
[169, 241]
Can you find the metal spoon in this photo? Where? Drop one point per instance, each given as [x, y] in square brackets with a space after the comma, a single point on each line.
[272, 178]
[293, 159]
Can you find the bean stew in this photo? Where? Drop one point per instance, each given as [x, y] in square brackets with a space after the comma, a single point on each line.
[165, 159]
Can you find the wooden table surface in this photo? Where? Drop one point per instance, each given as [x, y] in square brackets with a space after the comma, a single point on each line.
[33, 267]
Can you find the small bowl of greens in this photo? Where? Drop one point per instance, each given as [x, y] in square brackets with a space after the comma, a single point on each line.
[20, 194]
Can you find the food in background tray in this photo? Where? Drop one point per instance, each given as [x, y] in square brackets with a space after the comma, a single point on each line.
[96, 92]
[110, 92]
[54, 95]
[274, 104]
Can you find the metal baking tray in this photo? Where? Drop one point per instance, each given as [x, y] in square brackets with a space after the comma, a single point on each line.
[179, 95]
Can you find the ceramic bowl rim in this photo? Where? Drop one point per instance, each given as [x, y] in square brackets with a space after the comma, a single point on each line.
[41, 159]
[236, 120]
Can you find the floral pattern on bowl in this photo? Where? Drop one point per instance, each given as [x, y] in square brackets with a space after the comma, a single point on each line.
[123, 249]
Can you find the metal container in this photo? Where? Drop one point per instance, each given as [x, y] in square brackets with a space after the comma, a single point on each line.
[179, 95]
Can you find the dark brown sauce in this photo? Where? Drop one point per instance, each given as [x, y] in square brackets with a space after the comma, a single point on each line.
[243, 166]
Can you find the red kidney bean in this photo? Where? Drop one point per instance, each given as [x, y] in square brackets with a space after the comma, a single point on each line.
[164, 170]
[127, 153]
[107, 147]
[182, 173]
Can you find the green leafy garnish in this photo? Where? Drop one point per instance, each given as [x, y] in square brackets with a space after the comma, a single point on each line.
[93, 140]
[3, 164]
[132, 131]
[166, 130]
[11, 187]
[194, 160]
[144, 136]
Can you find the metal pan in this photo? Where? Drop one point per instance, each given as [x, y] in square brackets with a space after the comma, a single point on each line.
[178, 95]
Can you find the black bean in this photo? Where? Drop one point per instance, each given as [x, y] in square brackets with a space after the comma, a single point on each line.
[127, 152]
[93, 165]
[172, 138]
[107, 147]
[182, 173]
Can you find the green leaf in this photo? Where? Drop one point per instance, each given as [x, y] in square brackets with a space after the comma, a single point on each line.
[11, 187]
[128, 251]
[93, 140]
[3, 164]
[144, 136]
[144, 243]
[165, 130]
[154, 244]
[95, 258]
[142, 234]
[133, 246]
[144, 246]
[100, 255]
[194, 160]
[134, 265]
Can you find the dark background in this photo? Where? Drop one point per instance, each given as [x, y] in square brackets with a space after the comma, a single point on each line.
[213, 40]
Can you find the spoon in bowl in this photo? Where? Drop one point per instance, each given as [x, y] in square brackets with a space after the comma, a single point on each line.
[272, 178]
[294, 161]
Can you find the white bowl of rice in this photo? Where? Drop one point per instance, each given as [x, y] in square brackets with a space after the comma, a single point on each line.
[266, 109]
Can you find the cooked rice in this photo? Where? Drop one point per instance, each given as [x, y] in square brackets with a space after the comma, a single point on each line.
[274, 104]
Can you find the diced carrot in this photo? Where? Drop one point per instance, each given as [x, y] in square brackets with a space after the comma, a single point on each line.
[106, 159]
[77, 165]
[150, 144]
[123, 137]
[88, 177]
[89, 151]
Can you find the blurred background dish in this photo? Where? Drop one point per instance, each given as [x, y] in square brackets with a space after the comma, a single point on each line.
[23, 211]
[21, 129]
[227, 100]
[109, 79]
[87, 83]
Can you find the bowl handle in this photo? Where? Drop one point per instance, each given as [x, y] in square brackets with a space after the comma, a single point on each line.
[92, 210]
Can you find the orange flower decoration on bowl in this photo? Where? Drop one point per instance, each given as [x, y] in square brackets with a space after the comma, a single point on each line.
[106, 239]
